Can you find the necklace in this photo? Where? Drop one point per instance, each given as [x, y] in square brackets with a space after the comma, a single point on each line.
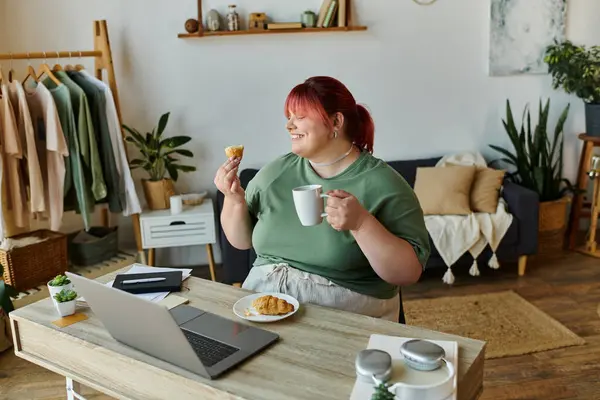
[314, 164]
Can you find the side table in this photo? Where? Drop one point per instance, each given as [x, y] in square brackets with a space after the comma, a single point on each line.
[195, 225]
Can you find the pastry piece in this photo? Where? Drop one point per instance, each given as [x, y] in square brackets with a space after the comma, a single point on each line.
[234, 151]
[271, 305]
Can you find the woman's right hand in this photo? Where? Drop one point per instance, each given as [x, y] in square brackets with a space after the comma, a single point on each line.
[228, 182]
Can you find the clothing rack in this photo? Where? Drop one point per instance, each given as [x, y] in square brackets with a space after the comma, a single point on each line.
[103, 61]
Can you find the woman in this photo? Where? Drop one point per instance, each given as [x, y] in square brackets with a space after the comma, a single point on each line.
[375, 238]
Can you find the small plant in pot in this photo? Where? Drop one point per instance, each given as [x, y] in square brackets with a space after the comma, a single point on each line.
[6, 293]
[576, 69]
[157, 158]
[537, 164]
[65, 302]
[59, 283]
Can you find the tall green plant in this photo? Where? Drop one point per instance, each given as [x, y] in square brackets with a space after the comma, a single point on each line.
[6, 292]
[538, 162]
[158, 152]
[575, 69]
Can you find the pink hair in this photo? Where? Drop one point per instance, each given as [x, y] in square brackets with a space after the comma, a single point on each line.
[323, 96]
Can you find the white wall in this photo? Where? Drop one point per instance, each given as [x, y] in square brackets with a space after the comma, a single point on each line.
[3, 33]
[421, 70]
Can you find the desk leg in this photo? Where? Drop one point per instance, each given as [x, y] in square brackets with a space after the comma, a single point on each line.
[72, 390]
[151, 257]
[211, 262]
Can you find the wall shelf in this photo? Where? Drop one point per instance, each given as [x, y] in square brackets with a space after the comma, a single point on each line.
[205, 33]
[265, 31]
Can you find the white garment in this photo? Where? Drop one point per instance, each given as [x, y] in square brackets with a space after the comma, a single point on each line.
[132, 202]
[49, 130]
[454, 235]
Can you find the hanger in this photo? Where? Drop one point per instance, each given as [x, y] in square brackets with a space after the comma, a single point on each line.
[11, 71]
[69, 67]
[57, 66]
[30, 71]
[79, 67]
[45, 68]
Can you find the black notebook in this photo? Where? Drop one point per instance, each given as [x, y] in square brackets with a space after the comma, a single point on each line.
[149, 282]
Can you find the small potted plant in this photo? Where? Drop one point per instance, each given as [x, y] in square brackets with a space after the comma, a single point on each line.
[157, 158]
[64, 301]
[59, 283]
[576, 69]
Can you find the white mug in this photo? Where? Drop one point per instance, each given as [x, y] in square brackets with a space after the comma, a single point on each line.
[309, 204]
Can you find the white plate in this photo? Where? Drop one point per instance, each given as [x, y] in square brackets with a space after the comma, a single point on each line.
[243, 307]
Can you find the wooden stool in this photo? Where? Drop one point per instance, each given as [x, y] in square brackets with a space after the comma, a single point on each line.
[581, 209]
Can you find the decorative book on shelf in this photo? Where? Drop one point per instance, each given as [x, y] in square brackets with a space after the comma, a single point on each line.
[333, 16]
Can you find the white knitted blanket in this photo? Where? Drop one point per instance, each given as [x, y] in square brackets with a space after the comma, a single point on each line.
[454, 235]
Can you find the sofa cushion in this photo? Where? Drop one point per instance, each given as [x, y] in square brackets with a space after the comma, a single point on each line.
[445, 190]
[486, 190]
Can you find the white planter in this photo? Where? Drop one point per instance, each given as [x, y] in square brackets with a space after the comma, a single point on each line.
[65, 309]
[56, 289]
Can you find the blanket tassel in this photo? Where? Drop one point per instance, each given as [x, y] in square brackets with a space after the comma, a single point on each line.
[493, 263]
[448, 277]
[474, 271]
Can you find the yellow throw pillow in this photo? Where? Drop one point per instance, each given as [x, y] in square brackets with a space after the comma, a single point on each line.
[485, 192]
[445, 190]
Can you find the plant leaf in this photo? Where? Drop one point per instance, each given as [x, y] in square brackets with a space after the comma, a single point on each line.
[173, 173]
[162, 124]
[185, 168]
[175, 141]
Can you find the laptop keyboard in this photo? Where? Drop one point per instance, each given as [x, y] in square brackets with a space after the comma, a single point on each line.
[209, 351]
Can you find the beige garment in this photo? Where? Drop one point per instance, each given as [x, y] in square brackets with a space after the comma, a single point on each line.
[37, 202]
[15, 209]
[315, 289]
[52, 150]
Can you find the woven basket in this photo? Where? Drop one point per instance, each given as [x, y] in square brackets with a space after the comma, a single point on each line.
[552, 225]
[30, 266]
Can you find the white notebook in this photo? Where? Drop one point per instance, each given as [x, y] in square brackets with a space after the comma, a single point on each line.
[391, 344]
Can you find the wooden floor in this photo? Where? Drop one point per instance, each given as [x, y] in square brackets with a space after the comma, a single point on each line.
[567, 287]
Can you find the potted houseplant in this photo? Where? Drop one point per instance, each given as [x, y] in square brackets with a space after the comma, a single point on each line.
[64, 301]
[58, 283]
[6, 293]
[157, 158]
[576, 69]
[537, 161]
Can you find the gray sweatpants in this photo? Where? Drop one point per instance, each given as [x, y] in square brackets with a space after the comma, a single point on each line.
[315, 289]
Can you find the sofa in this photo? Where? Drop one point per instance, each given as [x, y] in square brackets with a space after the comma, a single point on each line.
[520, 240]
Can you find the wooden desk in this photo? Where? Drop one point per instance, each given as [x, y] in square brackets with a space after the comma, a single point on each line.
[313, 359]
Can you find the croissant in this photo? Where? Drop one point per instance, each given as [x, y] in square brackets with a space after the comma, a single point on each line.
[234, 151]
[271, 305]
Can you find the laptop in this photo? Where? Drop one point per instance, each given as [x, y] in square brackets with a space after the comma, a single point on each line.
[193, 339]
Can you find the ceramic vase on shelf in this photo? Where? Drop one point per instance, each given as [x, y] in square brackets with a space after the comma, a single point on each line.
[233, 19]
[309, 19]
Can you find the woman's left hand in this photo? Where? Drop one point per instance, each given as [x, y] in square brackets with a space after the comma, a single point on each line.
[344, 211]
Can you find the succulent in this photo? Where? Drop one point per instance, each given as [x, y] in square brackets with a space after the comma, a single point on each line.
[59, 280]
[65, 295]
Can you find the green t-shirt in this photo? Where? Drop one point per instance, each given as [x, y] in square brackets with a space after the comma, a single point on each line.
[278, 236]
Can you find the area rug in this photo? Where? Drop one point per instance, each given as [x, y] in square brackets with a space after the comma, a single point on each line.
[507, 322]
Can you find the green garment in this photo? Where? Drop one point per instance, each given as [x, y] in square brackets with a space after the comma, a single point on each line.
[97, 103]
[278, 236]
[75, 175]
[88, 145]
